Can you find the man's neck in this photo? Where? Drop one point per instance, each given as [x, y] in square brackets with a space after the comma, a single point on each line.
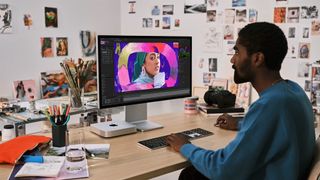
[266, 80]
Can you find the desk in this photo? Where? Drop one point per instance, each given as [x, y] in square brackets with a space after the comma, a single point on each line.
[128, 160]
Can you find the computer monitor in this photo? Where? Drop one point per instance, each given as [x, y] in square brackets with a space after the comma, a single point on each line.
[135, 70]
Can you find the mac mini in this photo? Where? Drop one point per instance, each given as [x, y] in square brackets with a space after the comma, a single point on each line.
[112, 129]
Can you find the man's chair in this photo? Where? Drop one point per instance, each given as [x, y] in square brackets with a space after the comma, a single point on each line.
[315, 168]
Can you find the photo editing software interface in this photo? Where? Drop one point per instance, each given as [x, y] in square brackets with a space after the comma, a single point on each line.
[141, 69]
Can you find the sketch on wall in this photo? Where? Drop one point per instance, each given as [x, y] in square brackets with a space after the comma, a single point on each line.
[293, 14]
[213, 40]
[132, 8]
[5, 19]
[309, 12]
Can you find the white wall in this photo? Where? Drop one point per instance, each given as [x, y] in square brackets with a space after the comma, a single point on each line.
[20, 51]
[196, 26]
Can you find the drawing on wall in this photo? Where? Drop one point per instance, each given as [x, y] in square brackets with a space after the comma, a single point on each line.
[213, 38]
[304, 50]
[228, 32]
[200, 64]
[88, 43]
[229, 16]
[62, 46]
[241, 15]
[211, 15]
[208, 78]
[167, 9]
[46, 46]
[132, 8]
[309, 12]
[51, 17]
[305, 32]
[213, 66]
[293, 14]
[238, 3]
[303, 69]
[53, 84]
[147, 22]
[279, 15]
[155, 10]
[212, 4]
[27, 20]
[243, 95]
[230, 47]
[253, 15]
[5, 19]
[25, 90]
[292, 32]
[195, 6]
[166, 22]
[315, 28]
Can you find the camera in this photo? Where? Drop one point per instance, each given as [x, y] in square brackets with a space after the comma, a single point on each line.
[222, 98]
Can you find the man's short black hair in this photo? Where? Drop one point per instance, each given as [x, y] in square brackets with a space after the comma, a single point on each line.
[266, 38]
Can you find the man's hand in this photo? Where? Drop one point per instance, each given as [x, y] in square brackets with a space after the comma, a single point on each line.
[225, 121]
[176, 141]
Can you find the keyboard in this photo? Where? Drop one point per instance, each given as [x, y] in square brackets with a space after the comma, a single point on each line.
[160, 142]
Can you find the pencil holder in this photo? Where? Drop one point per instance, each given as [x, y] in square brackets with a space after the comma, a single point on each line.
[75, 95]
[59, 135]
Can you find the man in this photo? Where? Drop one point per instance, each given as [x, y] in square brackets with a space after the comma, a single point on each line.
[276, 137]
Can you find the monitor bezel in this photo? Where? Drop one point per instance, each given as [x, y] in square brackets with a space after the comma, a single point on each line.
[143, 100]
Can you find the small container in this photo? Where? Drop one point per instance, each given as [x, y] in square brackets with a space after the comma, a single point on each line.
[8, 132]
[190, 105]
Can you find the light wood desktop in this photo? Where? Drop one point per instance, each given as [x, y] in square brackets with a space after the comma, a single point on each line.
[128, 160]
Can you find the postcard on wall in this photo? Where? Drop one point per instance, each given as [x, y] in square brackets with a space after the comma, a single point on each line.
[229, 16]
[25, 90]
[315, 28]
[213, 40]
[228, 32]
[46, 46]
[212, 4]
[27, 20]
[132, 8]
[292, 49]
[211, 15]
[51, 17]
[177, 23]
[304, 50]
[90, 85]
[238, 3]
[155, 10]
[213, 65]
[307, 85]
[147, 22]
[291, 32]
[293, 14]
[167, 9]
[88, 43]
[303, 70]
[166, 22]
[230, 47]
[53, 84]
[243, 95]
[253, 15]
[5, 19]
[208, 78]
[195, 6]
[241, 15]
[279, 15]
[62, 46]
[309, 12]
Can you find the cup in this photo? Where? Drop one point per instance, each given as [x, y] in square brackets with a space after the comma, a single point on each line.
[75, 95]
[59, 135]
[75, 151]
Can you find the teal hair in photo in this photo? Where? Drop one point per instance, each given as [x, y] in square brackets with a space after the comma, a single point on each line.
[140, 57]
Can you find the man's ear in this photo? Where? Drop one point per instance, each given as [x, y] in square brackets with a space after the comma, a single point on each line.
[258, 59]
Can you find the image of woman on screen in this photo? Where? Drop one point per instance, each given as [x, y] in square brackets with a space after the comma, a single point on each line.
[147, 73]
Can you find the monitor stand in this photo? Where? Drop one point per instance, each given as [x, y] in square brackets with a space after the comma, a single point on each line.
[137, 115]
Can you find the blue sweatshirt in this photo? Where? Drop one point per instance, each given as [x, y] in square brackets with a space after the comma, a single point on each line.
[276, 140]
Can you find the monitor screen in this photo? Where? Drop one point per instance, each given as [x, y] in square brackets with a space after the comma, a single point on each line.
[139, 69]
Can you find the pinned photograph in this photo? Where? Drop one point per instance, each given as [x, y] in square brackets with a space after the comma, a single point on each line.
[292, 32]
[292, 49]
[46, 46]
[88, 43]
[229, 16]
[305, 32]
[315, 28]
[177, 23]
[304, 50]
[62, 46]
[212, 4]
[303, 69]
[27, 20]
[230, 47]
[53, 84]
[132, 8]
[253, 15]
[166, 22]
[211, 15]
[213, 67]
[155, 10]
[241, 15]
[147, 22]
[279, 15]
[307, 85]
[167, 9]
[208, 78]
[5, 19]
[228, 32]
[25, 90]
[200, 64]
[238, 3]
[309, 12]
[293, 14]
[156, 23]
[51, 17]
[281, 2]
[195, 6]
